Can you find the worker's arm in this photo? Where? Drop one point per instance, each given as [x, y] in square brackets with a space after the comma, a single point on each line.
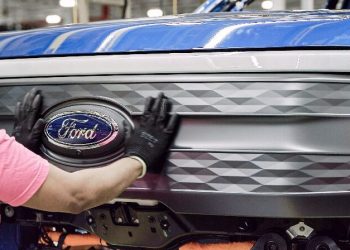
[78, 191]
[50, 188]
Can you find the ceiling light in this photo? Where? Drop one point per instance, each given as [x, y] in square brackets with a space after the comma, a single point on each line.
[267, 5]
[53, 19]
[67, 3]
[154, 13]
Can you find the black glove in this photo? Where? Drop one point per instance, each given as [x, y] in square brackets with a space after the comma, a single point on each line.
[27, 128]
[152, 138]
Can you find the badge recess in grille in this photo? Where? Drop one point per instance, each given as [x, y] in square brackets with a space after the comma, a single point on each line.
[84, 132]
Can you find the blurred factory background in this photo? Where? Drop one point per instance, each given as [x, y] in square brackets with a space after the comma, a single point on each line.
[27, 14]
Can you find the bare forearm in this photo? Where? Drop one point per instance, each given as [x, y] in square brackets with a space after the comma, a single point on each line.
[99, 185]
[74, 192]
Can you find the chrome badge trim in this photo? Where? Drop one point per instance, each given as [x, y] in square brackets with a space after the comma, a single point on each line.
[75, 130]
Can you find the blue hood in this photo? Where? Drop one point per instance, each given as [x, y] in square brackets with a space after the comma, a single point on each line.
[245, 30]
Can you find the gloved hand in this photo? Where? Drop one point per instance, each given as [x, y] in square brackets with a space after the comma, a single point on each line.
[152, 138]
[27, 128]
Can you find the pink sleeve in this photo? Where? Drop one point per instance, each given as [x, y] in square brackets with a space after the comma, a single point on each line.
[21, 172]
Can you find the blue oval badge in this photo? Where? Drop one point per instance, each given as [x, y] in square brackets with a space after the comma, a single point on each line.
[81, 129]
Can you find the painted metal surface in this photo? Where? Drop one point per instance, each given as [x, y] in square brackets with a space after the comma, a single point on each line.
[183, 63]
[213, 31]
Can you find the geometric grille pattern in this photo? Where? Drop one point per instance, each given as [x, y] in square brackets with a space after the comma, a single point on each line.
[226, 97]
[227, 172]
[240, 173]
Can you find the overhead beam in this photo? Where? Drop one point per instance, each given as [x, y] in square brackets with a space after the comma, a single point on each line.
[83, 11]
[279, 4]
[1, 8]
[307, 4]
[128, 9]
[174, 7]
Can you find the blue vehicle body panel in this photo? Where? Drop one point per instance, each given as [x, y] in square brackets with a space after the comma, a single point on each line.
[245, 30]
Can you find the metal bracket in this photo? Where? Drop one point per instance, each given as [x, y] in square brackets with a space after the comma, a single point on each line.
[300, 230]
